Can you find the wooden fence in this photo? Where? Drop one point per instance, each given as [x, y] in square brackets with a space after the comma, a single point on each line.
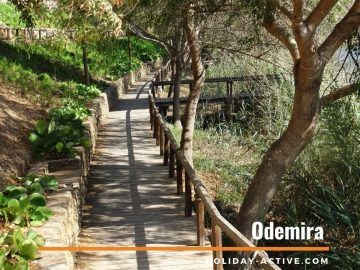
[29, 34]
[186, 178]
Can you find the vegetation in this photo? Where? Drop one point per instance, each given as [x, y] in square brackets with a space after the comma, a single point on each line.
[22, 206]
[294, 154]
[18, 248]
[10, 16]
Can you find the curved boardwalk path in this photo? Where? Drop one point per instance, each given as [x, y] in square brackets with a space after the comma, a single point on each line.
[131, 200]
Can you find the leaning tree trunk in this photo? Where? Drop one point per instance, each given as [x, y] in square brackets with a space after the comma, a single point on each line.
[282, 153]
[285, 150]
[193, 98]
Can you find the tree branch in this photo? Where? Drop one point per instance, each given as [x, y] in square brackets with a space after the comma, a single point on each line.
[341, 32]
[237, 51]
[278, 31]
[283, 10]
[284, 36]
[319, 13]
[340, 93]
[298, 12]
[137, 31]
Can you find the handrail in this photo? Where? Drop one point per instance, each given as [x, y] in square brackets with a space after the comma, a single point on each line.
[8, 33]
[225, 79]
[169, 148]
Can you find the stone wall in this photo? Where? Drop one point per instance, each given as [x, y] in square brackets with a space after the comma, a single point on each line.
[64, 226]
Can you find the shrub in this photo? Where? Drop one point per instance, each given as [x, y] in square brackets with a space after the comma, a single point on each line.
[58, 136]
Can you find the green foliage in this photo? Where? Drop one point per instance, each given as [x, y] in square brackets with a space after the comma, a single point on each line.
[39, 184]
[23, 206]
[18, 248]
[110, 57]
[10, 16]
[26, 205]
[61, 133]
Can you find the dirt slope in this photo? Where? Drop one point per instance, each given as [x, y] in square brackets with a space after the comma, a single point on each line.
[17, 116]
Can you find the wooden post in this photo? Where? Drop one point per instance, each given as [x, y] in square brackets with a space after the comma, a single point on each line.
[153, 89]
[155, 123]
[216, 242]
[188, 207]
[152, 119]
[166, 150]
[157, 131]
[150, 112]
[157, 78]
[229, 101]
[179, 177]
[161, 140]
[200, 220]
[163, 111]
[172, 163]
[9, 36]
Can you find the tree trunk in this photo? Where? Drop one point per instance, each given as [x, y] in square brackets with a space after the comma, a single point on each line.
[129, 52]
[285, 150]
[171, 87]
[176, 92]
[193, 98]
[86, 65]
[282, 153]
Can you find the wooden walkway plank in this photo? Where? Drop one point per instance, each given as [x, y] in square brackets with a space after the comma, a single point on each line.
[132, 201]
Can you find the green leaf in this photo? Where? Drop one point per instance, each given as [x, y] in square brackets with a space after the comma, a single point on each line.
[41, 214]
[37, 238]
[13, 204]
[41, 126]
[34, 138]
[36, 223]
[86, 143]
[59, 147]
[14, 192]
[3, 255]
[49, 182]
[36, 188]
[52, 126]
[17, 239]
[37, 200]
[3, 200]
[28, 249]
[24, 203]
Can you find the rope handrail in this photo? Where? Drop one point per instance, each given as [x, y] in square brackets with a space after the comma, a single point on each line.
[171, 151]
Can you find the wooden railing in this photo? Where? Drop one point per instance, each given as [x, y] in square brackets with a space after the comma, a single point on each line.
[10, 33]
[178, 166]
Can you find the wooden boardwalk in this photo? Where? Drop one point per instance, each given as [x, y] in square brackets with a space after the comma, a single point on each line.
[131, 200]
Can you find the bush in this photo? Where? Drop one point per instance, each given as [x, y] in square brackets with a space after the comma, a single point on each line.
[58, 136]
